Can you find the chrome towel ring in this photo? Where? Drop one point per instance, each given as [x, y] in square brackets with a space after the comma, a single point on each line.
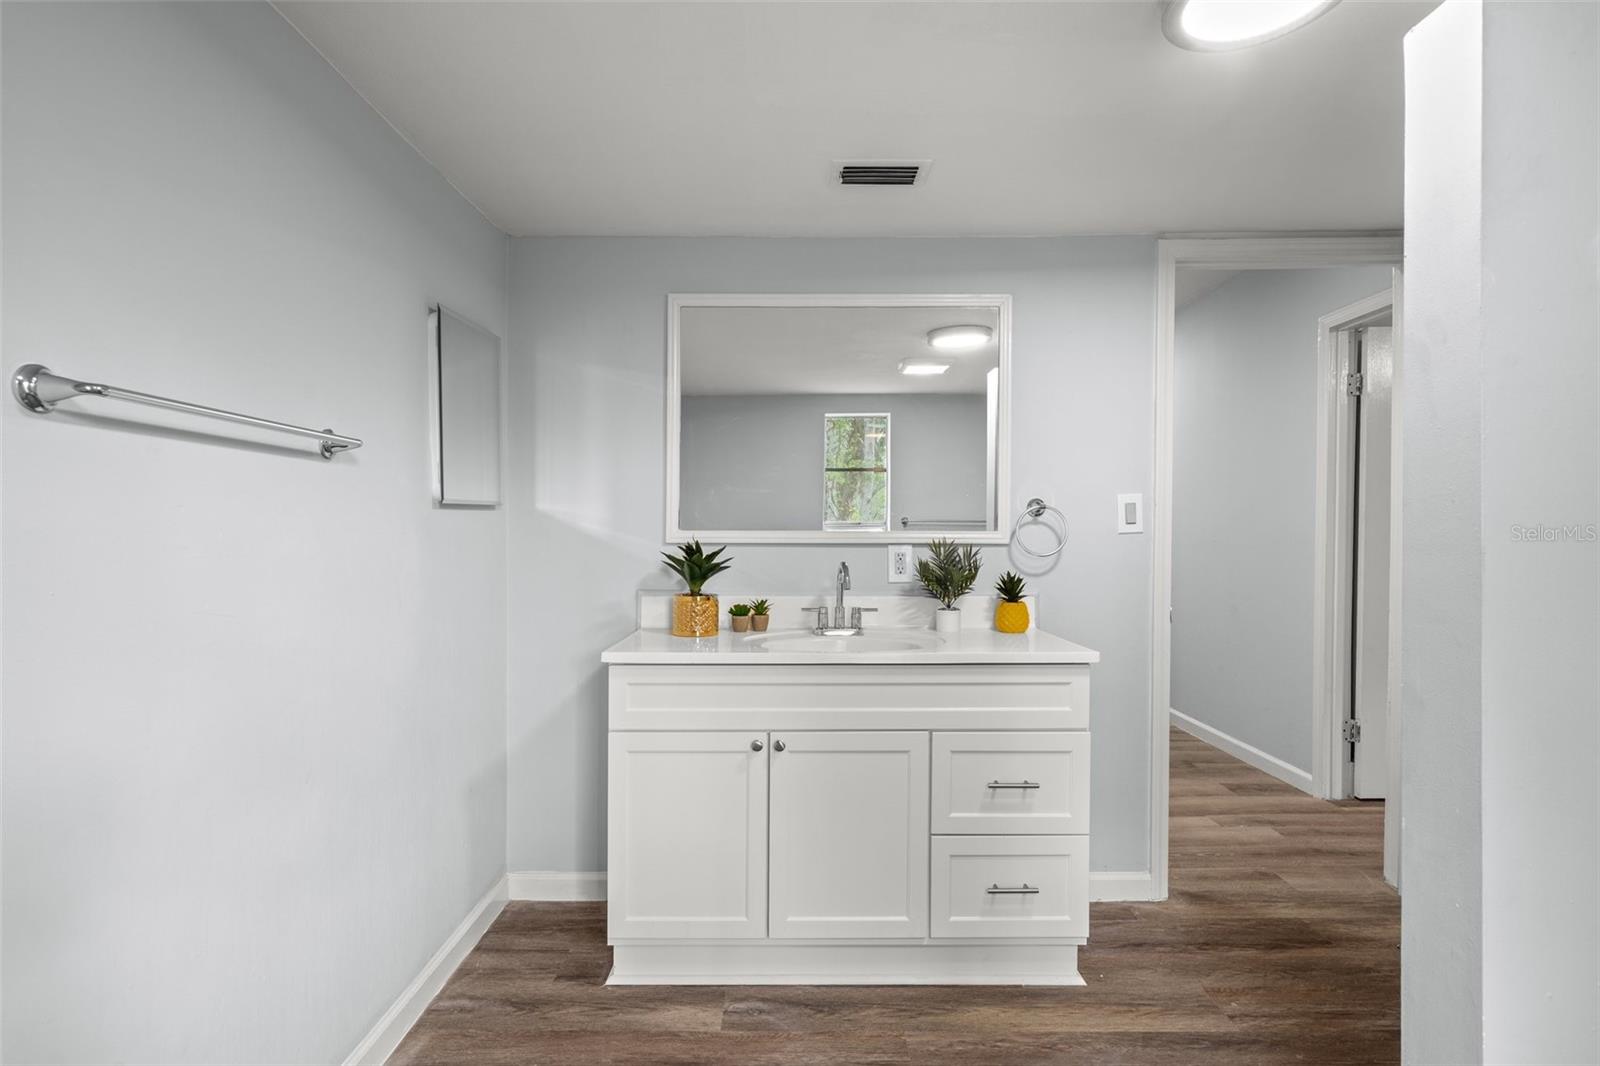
[1034, 511]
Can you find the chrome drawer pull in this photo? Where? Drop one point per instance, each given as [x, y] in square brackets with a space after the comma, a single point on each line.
[1025, 890]
[1013, 784]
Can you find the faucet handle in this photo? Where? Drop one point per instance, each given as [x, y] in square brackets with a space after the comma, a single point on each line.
[857, 612]
[822, 617]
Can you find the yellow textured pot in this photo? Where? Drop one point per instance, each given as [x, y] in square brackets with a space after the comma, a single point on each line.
[1011, 617]
[694, 616]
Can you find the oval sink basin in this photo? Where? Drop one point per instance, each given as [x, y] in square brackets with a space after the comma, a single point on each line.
[861, 644]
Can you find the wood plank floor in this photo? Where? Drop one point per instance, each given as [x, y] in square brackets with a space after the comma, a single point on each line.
[1280, 943]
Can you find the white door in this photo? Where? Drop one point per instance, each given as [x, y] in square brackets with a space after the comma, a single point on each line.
[688, 835]
[1373, 511]
[849, 835]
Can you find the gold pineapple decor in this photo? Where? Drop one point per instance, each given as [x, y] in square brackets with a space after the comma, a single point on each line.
[1011, 613]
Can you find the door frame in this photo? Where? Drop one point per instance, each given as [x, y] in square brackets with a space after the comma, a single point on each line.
[1333, 602]
[1228, 253]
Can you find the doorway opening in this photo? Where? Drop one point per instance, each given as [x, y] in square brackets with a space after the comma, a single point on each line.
[1274, 529]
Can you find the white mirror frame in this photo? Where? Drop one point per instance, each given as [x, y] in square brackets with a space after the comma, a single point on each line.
[1001, 534]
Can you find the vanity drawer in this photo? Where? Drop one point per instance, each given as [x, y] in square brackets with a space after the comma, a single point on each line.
[1009, 886]
[1010, 783]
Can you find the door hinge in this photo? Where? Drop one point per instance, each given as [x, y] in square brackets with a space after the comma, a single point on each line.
[1352, 383]
[1352, 731]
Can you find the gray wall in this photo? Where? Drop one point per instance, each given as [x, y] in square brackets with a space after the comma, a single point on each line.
[254, 734]
[1541, 597]
[1441, 997]
[1244, 501]
[587, 379]
[755, 462]
[1500, 843]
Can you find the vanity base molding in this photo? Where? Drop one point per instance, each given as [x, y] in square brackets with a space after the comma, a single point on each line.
[854, 964]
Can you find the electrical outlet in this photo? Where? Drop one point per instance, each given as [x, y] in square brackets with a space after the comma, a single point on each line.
[902, 563]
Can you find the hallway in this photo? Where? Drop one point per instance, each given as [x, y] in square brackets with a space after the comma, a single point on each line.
[1280, 943]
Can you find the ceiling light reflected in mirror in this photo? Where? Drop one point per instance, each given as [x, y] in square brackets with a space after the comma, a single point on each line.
[958, 339]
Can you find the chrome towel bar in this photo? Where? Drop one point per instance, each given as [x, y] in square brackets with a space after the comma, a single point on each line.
[906, 522]
[39, 390]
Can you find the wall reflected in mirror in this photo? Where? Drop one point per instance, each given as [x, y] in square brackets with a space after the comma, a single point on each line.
[844, 421]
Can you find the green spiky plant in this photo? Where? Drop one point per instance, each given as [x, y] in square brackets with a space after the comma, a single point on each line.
[740, 610]
[759, 607]
[949, 571]
[696, 565]
[1011, 587]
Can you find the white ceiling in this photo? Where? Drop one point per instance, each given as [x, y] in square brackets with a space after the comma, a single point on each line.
[727, 118]
[747, 351]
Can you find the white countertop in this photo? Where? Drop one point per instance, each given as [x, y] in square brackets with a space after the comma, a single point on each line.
[971, 645]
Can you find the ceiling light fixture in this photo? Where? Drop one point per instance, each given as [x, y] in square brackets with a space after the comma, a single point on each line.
[959, 338]
[1222, 25]
[922, 367]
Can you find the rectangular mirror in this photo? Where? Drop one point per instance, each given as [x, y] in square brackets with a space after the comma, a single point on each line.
[838, 419]
[464, 387]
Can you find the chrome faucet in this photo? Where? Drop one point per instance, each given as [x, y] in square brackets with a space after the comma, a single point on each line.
[841, 583]
[840, 627]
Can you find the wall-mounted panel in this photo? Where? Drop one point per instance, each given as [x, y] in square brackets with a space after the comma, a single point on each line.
[464, 385]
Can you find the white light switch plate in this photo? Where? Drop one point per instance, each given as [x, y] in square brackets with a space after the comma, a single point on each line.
[902, 563]
[1130, 512]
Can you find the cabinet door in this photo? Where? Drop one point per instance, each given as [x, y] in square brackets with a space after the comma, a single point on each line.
[849, 835]
[687, 823]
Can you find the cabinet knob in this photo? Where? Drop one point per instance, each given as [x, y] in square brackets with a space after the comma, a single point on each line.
[777, 745]
[756, 745]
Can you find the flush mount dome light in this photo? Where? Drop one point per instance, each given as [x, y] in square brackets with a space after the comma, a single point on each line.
[1220, 25]
[959, 338]
[922, 367]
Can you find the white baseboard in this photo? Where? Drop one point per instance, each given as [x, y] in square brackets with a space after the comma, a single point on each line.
[1267, 764]
[380, 1042]
[555, 885]
[1121, 886]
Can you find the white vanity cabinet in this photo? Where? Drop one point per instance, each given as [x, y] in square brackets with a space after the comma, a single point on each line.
[863, 824]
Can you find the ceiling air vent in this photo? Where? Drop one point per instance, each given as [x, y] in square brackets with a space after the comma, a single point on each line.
[879, 173]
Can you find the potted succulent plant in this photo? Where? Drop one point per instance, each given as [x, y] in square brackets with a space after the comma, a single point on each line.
[694, 614]
[947, 574]
[1011, 613]
[740, 613]
[759, 616]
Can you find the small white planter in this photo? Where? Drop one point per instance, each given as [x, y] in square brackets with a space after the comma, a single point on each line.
[947, 620]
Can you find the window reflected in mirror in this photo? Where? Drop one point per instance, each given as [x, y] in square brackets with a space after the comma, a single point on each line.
[855, 472]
